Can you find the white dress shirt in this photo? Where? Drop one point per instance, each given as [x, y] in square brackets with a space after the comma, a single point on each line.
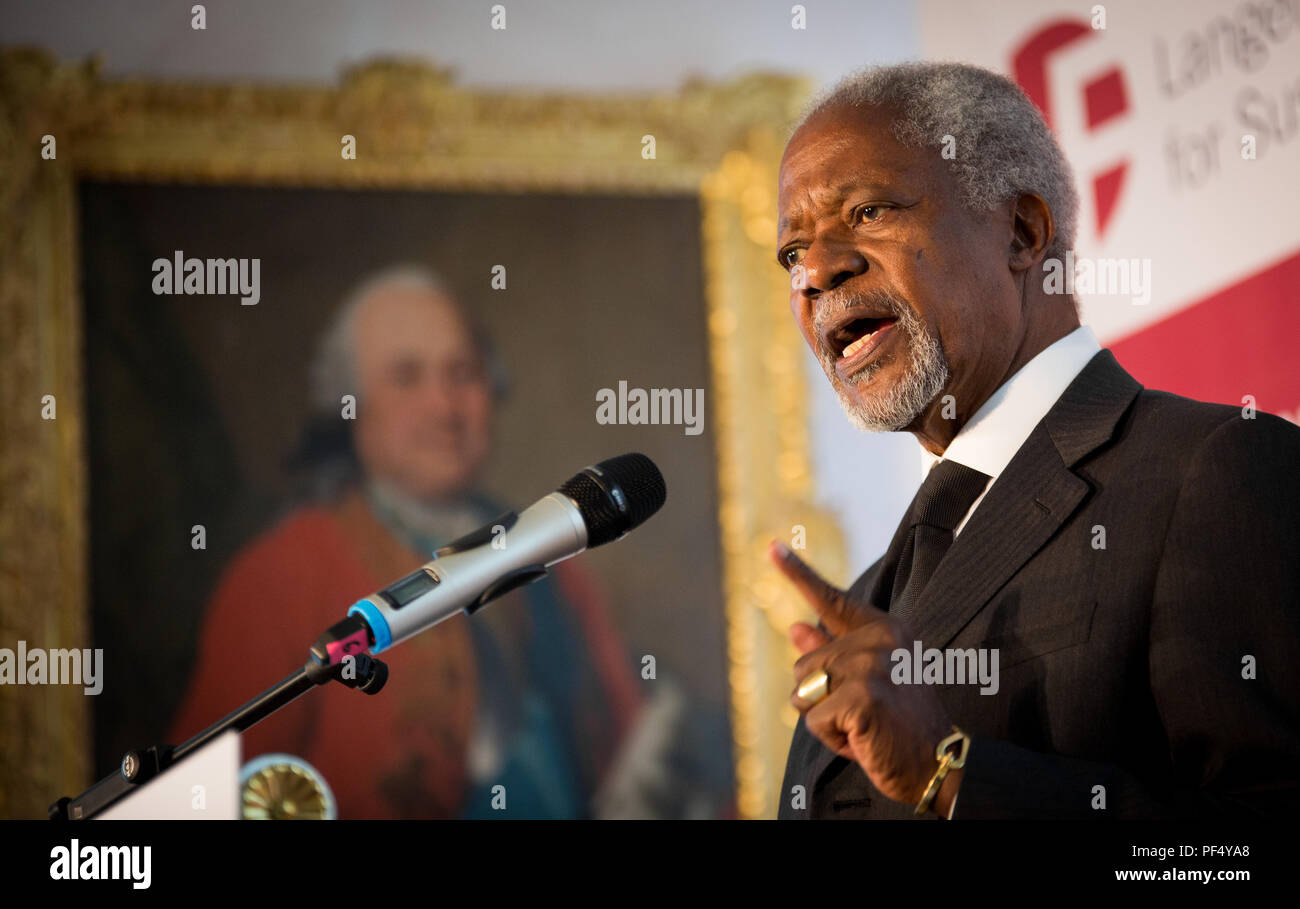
[993, 435]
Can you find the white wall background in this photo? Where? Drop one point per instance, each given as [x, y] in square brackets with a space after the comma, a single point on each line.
[577, 45]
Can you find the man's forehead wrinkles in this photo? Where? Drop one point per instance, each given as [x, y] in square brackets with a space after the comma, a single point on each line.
[821, 197]
[834, 143]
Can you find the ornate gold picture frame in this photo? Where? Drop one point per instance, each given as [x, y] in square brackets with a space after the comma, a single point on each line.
[417, 129]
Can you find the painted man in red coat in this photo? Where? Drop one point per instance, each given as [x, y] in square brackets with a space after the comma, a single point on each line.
[534, 694]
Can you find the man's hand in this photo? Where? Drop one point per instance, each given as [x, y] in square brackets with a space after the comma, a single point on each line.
[890, 730]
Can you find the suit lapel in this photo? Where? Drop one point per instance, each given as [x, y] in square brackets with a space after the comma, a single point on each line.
[1021, 512]
[1028, 503]
[1023, 509]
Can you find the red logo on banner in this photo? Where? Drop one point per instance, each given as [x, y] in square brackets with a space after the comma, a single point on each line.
[1104, 98]
[1234, 346]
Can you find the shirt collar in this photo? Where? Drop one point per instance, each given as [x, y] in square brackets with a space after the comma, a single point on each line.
[993, 435]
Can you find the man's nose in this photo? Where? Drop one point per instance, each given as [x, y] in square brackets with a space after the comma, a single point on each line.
[828, 263]
[440, 397]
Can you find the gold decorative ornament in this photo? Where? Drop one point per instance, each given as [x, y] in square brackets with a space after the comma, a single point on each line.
[281, 787]
[948, 760]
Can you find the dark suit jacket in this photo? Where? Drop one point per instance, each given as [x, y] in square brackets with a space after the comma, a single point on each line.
[1119, 667]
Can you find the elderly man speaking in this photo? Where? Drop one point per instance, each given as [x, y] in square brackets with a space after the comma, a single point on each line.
[1126, 559]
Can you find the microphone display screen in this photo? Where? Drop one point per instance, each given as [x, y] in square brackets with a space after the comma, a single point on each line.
[409, 588]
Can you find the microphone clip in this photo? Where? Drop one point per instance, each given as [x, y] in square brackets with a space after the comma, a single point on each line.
[339, 655]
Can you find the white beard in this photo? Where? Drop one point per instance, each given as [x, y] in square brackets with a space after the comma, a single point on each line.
[897, 406]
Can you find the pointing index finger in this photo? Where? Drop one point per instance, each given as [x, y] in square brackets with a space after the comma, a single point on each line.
[827, 600]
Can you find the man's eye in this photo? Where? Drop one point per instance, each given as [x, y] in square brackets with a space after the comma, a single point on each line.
[790, 257]
[871, 212]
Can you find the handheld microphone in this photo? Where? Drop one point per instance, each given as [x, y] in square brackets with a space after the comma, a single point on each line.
[598, 505]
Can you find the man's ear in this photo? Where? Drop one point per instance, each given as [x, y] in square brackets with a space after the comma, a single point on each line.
[1032, 231]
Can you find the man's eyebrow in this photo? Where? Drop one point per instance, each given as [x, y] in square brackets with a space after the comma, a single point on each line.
[827, 196]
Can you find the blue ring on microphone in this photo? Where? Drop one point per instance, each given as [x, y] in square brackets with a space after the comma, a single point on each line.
[378, 625]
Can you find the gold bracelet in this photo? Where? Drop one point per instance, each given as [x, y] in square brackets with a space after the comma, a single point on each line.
[947, 761]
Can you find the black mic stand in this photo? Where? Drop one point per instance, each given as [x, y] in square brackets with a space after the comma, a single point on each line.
[338, 655]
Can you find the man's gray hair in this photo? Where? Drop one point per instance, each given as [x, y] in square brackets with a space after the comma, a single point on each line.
[1003, 146]
[333, 369]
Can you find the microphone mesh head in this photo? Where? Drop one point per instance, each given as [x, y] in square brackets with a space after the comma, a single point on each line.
[617, 495]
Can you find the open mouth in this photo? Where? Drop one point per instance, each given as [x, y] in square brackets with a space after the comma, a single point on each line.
[855, 340]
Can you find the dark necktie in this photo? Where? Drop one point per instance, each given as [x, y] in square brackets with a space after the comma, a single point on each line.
[942, 501]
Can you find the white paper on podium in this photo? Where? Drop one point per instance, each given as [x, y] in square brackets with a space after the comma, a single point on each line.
[204, 786]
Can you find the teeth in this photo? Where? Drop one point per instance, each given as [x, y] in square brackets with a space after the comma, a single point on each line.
[856, 345]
